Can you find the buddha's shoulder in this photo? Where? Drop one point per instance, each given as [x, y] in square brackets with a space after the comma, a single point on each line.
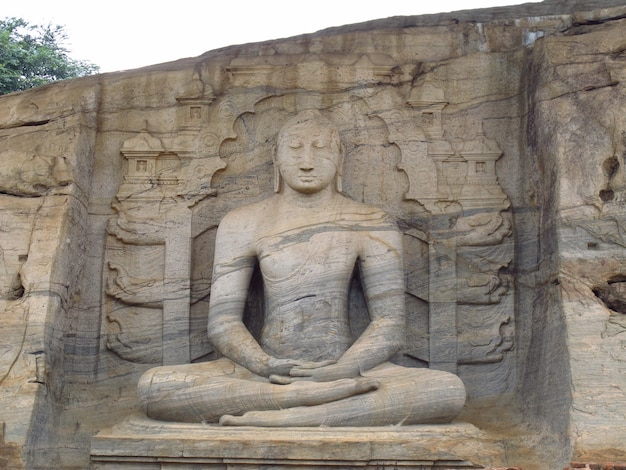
[360, 212]
[249, 214]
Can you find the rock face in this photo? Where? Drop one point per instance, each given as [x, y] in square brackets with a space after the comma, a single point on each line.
[495, 138]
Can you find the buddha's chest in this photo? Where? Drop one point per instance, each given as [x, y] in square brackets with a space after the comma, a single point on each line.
[321, 255]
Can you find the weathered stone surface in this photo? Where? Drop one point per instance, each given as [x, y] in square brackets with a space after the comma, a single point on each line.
[496, 139]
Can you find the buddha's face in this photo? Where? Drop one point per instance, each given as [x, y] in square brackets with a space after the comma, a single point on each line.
[308, 158]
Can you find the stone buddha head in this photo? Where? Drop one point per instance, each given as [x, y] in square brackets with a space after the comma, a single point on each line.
[308, 156]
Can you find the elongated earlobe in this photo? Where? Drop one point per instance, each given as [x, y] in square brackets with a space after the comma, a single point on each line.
[339, 175]
[277, 178]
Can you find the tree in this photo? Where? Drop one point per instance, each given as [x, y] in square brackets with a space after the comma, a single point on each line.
[33, 55]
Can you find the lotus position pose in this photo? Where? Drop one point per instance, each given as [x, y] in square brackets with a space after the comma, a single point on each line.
[306, 369]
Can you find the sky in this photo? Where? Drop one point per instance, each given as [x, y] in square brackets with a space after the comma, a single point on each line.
[122, 35]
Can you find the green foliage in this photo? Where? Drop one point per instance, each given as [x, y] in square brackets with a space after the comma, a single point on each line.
[33, 55]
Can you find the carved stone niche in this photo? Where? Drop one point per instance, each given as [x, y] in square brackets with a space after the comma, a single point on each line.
[468, 292]
[146, 311]
[458, 295]
[458, 290]
[155, 306]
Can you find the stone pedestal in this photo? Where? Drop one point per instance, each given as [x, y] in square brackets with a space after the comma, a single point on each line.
[141, 443]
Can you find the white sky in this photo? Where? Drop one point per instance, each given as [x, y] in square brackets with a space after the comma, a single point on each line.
[118, 35]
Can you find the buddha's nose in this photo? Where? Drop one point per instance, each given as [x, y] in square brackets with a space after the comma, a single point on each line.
[306, 164]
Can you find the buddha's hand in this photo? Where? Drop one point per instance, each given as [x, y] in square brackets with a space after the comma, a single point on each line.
[324, 372]
[279, 370]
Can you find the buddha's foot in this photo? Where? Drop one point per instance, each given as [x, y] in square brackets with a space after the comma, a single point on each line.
[303, 394]
[307, 393]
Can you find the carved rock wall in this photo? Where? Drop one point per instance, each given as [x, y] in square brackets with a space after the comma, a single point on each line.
[496, 138]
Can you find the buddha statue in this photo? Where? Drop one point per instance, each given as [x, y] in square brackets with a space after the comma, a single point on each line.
[305, 369]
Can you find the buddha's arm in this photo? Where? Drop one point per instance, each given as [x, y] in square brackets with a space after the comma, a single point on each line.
[382, 277]
[232, 269]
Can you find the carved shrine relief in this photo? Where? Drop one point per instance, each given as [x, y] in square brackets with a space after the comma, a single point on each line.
[150, 168]
[469, 293]
[153, 284]
[465, 178]
[459, 292]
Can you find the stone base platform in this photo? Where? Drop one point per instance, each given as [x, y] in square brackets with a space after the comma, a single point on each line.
[139, 443]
